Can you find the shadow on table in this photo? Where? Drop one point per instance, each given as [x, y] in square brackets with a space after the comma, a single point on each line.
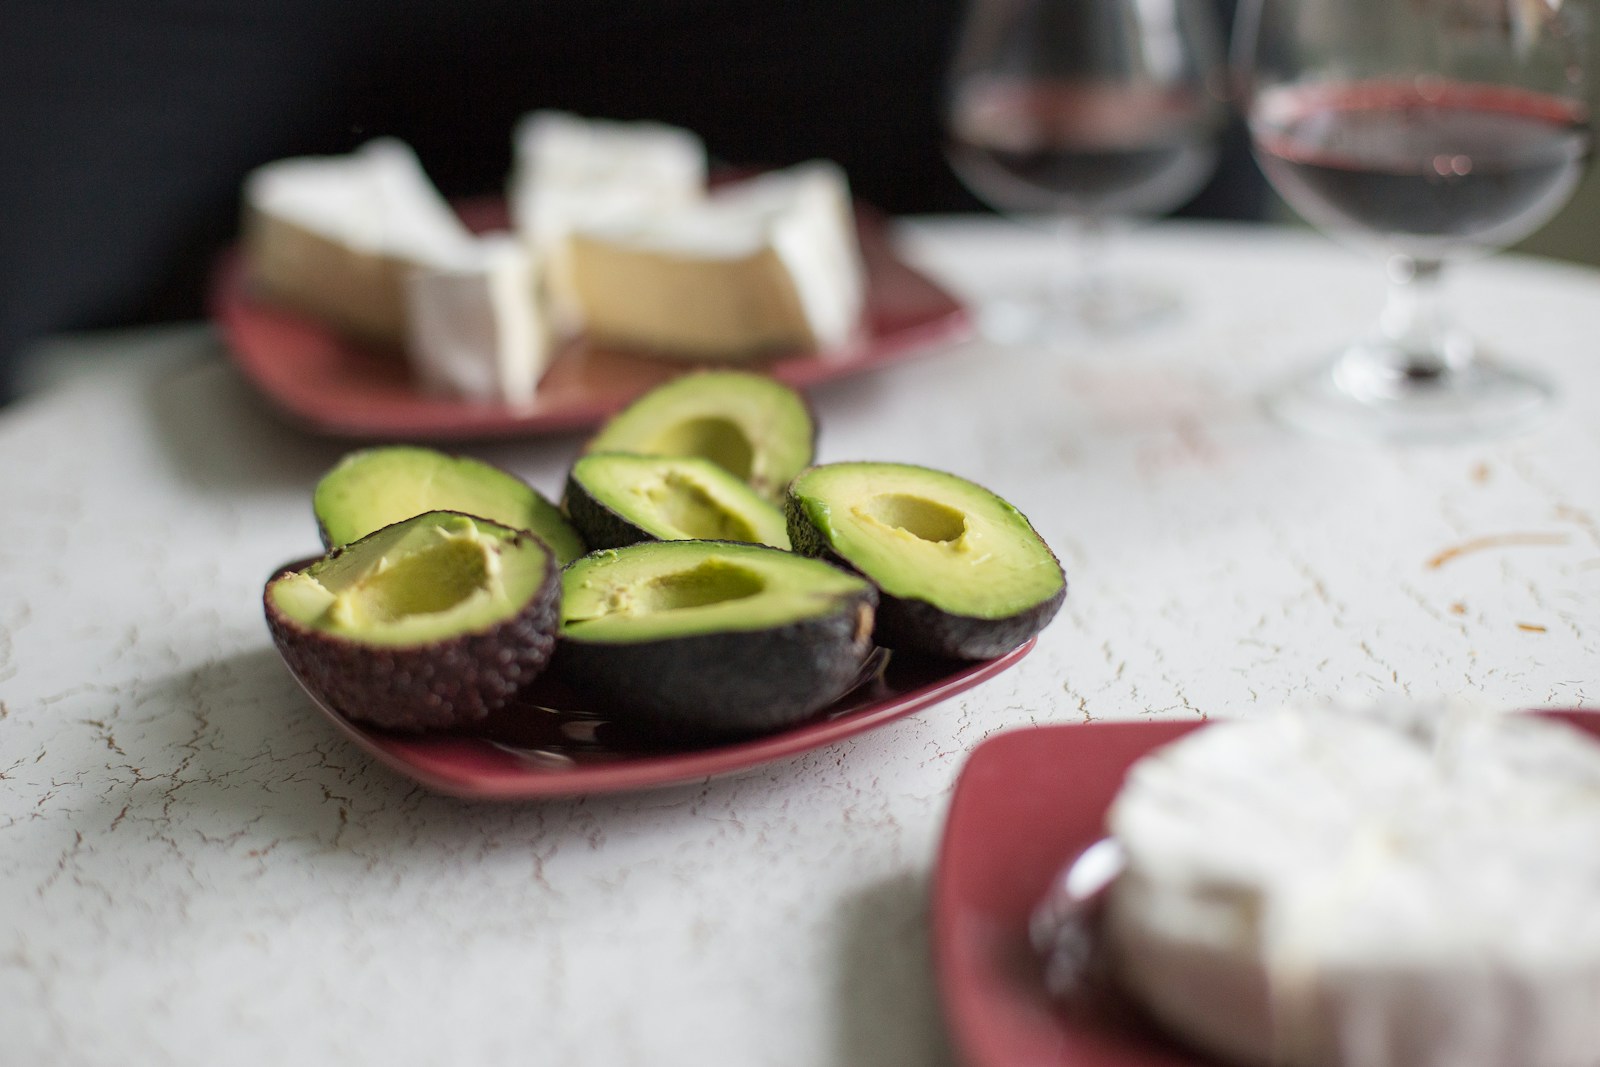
[233, 751]
[888, 1004]
[221, 437]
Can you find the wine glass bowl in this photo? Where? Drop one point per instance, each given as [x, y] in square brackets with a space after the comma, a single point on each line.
[1082, 149]
[1087, 111]
[1425, 131]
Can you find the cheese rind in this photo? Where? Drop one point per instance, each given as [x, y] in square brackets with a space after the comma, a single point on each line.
[478, 330]
[1367, 890]
[336, 236]
[568, 169]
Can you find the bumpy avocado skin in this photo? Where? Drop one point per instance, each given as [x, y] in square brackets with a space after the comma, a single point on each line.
[917, 626]
[728, 684]
[804, 536]
[439, 685]
[907, 624]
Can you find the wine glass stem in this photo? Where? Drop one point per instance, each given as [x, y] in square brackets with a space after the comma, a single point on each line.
[1419, 343]
[1092, 246]
[1081, 283]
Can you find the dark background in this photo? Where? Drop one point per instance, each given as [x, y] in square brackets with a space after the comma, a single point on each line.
[126, 127]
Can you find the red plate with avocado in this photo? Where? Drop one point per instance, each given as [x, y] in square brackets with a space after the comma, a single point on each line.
[548, 744]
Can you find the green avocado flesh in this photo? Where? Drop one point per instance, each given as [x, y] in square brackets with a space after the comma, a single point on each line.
[926, 535]
[420, 581]
[616, 499]
[377, 487]
[666, 589]
[755, 428]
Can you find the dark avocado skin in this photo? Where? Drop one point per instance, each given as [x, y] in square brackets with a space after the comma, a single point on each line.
[916, 626]
[729, 684]
[439, 685]
[598, 525]
[907, 624]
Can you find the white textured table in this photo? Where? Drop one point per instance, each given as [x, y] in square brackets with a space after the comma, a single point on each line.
[194, 869]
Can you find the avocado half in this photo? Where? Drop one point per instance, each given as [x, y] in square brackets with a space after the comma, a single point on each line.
[429, 623]
[616, 499]
[757, 429]
[708, 638]
[960, 572]
[375, 487]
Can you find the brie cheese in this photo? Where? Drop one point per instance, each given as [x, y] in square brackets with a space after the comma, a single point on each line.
[335, 236]
[1340, 889]
[477, 328]
[565, 167]
[768, 264]
[569, 171]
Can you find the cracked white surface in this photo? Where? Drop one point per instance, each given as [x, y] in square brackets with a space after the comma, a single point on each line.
[195, 870]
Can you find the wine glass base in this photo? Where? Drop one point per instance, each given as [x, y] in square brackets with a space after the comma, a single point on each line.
[1112, 308]
[1122, 305]
[1344, 399]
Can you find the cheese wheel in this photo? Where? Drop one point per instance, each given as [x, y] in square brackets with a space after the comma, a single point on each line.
[1341, 888]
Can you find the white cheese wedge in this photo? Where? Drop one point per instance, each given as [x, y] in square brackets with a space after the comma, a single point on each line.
[569, 171]
[772, 263]
[477, 328]
[335, 236]
[1334, 889]
[564, 166]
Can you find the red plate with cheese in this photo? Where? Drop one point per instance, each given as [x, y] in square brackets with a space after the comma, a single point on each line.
[332, 385]
[1026, 803]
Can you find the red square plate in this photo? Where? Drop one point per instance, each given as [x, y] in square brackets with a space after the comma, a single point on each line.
[1027, 802]
[529, 751]
[332, 385]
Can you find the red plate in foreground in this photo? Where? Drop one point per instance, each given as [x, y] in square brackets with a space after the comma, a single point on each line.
[1027, 802]
[332, 385]
[527, 752]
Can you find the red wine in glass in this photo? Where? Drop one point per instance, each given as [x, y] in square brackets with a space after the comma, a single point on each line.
[1426, 168]
[1083, 148]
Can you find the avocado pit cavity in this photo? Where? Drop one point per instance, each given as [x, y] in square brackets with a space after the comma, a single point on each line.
[686, 505]
[620, 498]
[433, 580]
[720, 440]
[711, 583]
[926, 520]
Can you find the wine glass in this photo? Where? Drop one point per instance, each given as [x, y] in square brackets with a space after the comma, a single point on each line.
[1426, 131]
[1087, 112]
